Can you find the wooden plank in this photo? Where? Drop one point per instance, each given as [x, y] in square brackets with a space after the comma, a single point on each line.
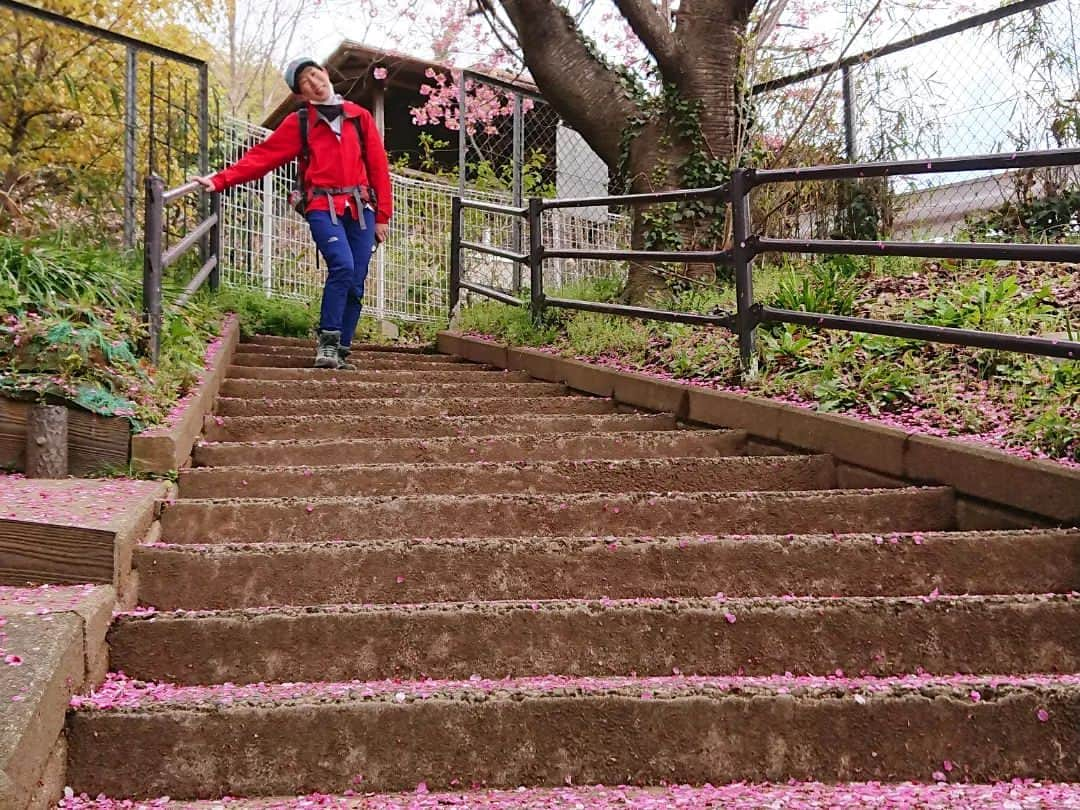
[13, 433]
[94, 441]
[47, 553]
[97, 441]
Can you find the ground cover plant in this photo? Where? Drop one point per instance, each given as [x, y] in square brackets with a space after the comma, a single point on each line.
[71, 329]
[287, 317]
[1028, 405]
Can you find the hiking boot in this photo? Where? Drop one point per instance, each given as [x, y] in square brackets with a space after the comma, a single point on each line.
[343, 359]
[326, 355]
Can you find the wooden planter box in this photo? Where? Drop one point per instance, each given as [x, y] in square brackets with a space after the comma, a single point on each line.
[94, 442]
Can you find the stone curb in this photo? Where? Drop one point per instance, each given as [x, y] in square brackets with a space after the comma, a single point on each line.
[1039, 487]
[74, 660]
[164, 449]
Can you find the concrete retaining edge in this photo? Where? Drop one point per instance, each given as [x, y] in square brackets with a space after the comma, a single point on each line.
[1041, 488]
[73, 660]
[167, 448]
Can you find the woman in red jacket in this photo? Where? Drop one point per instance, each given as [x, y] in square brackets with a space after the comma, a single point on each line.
[345, 180]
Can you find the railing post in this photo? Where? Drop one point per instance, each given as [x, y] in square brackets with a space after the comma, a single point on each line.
[849, 114]
[152, 236]
[518, 186]
[536, 260]
[455, 253]
[214, 240]
[267, 241]
[203, 120]
[742, 258]
[131, 78]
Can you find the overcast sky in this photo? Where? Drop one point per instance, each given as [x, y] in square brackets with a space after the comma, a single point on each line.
[336, 20]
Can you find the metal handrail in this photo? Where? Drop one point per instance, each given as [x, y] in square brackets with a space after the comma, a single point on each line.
[176, 194]
[682, 195]
[746, 246]
[207, 235]
[494, 208]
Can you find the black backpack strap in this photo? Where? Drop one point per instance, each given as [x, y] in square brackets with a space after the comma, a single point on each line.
[302, 160]
[360, 137]
[363, 159]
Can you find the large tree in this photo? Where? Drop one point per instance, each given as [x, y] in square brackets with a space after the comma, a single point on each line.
[684, 132]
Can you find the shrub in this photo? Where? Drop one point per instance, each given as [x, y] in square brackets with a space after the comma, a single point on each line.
[72, 329]
[260, 315]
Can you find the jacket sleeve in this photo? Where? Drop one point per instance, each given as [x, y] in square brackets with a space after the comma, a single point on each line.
[282, 146]
[378, 168]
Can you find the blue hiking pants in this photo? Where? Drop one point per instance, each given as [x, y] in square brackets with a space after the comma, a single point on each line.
[346, 247]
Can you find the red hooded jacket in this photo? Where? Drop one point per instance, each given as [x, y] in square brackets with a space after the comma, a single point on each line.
[333, 162]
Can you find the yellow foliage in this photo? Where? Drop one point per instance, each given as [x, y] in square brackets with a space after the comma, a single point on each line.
[62, 99]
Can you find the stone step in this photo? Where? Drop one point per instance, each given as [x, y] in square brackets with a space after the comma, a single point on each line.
[268, 342]
[326, 389]
[517, 448]
[463, 374]
[157, 740]
[194, 577]
[267, 428]
[424, 406]
[314, 519]
[738, 473]
[646, 636]
[257, 356]
[732, 796]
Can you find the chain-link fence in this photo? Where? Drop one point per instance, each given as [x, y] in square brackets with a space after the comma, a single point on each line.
[1004, 81]
[513, 146]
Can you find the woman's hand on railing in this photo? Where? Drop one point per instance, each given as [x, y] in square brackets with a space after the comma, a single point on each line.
[190, 187]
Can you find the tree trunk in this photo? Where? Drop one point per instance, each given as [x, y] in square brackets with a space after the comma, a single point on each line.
[655, 164]
[47, 441]
[701, 59]
[713, 32]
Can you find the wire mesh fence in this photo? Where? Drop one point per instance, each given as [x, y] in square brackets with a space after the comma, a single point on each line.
[514, 145]
[265, 244]
[1004, 81]
[516, 148]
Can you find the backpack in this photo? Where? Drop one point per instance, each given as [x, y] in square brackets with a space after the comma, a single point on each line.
[298, 196]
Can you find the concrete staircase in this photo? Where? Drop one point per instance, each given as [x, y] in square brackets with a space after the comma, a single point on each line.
[432, 572]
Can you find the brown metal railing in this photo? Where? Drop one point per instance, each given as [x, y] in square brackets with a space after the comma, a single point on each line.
[156, 259]
[746, 246]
